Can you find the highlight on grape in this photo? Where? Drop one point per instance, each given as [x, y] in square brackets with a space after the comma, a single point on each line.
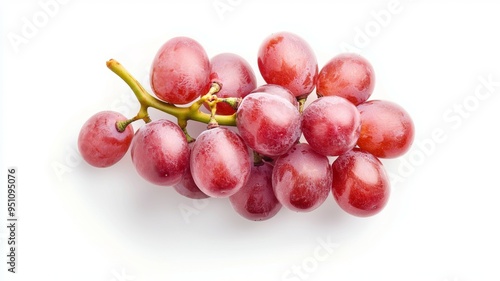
[263, 164]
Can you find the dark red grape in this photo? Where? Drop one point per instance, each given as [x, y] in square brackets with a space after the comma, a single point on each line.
[180, 71]
[302, 178]
[220, 162]
[286, 59]
[387, 130]
[347, 75]
[256, 200]
[160, 152]
[100, 143]
[360, 184]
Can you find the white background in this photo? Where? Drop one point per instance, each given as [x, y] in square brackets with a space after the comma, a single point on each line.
[82, 223]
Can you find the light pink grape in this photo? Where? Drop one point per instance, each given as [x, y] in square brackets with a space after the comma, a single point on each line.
[277, 90]
[256, 200]
[236, 77]
[160, 152]
[187, 187]
[180, 71]
[269, 124]
[100, 143]
[220, 162]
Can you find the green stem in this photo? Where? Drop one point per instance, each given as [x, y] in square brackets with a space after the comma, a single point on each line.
[189, 138]
[122, 125]
[302, 103]
[213, 123]
[234, 103]
[142, 114]
[182, 113]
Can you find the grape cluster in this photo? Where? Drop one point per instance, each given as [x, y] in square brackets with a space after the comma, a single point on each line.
[263, 147]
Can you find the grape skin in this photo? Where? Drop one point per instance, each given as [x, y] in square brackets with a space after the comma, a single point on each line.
[331, 125]
[347, 75]
[160, 152]
[220, 162]
[180, 71]
[302, 178]
[99, 141]
[236, 77]
[277, 90]
[360, 184]
[187, 187]
[387, 130]
[269, 124]
[256, 200]
[286, 59]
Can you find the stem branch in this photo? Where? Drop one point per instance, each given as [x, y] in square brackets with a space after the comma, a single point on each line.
[182, 113]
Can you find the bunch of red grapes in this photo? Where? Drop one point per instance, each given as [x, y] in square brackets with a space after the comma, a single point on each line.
[280, 152]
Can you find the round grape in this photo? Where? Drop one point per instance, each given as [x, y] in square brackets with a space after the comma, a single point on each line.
[347, 75]
[277, 90]
[387, 130]
[100, 143]
[331, 125]
[160, 152]
[256, 200]
[302, 178]
[180, 71]
[187, 187]
[360, 184]
[220, 162]
[286, 59]
[235, 75]
[269, 124]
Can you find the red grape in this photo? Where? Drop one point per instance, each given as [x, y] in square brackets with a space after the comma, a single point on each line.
[277, 90]
[269, 124]
[387, 130]
[180, 72]
[256, 200]
[286, 59]
[360, 184]
[347, 75]
[235, 75]
[187, 187]
[331, 125]
[302, 178]
[220, 162]
[100, 143]
[160, 152]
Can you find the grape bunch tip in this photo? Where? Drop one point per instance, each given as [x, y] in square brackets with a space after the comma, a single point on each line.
[262, 165]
